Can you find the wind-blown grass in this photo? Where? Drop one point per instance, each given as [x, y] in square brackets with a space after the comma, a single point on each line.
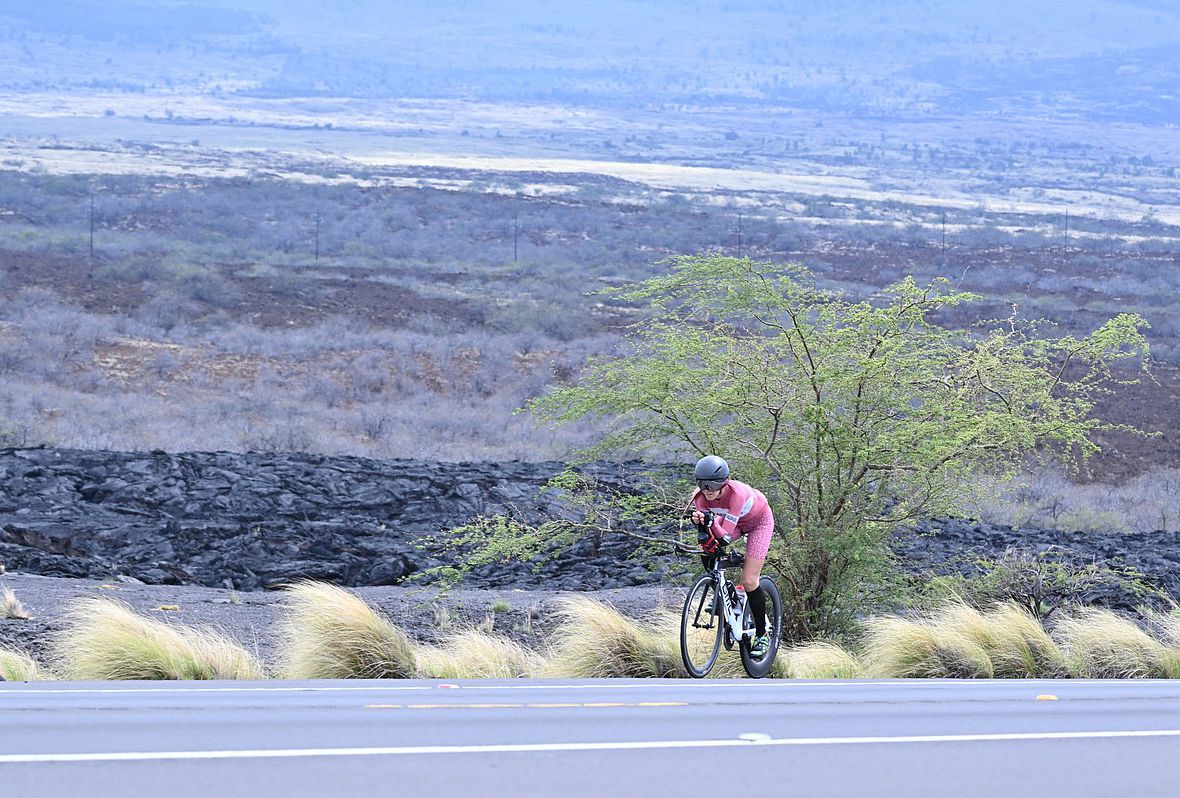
[106, 639]
[1099, 644]
[328, 632]
[817, 660]
[1015, 642]
[17, 666]
[905, 648]
[595, 641]
[472, 654]
[10, 606]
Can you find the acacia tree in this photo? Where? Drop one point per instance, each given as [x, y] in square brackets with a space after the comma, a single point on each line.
[855, 418]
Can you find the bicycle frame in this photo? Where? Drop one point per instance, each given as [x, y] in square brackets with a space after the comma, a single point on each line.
[715, 566]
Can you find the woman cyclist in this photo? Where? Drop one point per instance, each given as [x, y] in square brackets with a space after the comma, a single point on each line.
[738, 509]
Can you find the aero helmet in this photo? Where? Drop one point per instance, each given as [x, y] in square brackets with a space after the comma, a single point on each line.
[711, 472]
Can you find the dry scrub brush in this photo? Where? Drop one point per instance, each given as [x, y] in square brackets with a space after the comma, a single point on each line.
[1015, 642]
[17, 666]
[817, 660]
[905, 648]
[10, 607]
[1099, 644]
[328, 632]
[106, 639]
[472, 654]
[595, 641]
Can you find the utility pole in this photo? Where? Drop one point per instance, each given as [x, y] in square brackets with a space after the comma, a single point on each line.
[317, 236]
[944, 235]
[515, 235]
[92, 229]
[1065, 246]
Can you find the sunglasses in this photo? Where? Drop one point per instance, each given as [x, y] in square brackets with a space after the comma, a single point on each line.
[711, 485]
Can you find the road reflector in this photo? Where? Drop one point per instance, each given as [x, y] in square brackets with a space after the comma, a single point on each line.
[1046, 697]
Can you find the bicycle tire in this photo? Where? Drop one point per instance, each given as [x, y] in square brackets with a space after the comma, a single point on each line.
[760, 667]
[700, 627]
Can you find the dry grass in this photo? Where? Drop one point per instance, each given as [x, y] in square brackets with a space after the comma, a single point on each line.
[10, 607]
[1099, 644]
[106, 639]
[1015, 642]
[17, 666]
[921, 649]
[595, 641]
[330, 633]
[818, 660]
[473, 654]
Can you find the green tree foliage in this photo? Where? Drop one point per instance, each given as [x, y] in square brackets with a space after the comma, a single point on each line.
[855, 418]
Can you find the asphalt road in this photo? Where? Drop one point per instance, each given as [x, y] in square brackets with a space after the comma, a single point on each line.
[591, 738]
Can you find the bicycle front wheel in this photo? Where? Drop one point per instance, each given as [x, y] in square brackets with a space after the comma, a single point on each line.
[700, 627]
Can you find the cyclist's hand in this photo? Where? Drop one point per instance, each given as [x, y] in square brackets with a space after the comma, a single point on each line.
[698, 517]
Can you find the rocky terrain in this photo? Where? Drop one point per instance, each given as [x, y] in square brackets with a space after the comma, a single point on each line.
[199, 537]
[252, 521]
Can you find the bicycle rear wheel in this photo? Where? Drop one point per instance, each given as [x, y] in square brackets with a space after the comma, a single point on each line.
[760, 666]
[700, 627]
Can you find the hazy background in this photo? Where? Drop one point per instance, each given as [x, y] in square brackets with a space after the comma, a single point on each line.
[375, 228]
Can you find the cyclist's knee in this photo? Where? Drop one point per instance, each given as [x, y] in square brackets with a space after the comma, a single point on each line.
[750, 583]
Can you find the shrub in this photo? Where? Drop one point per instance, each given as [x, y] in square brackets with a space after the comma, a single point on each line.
[472, 654]
[1015, 642]
[596, 641]
[17, 666]
[1099, 644]
[818, 660]
[1038, 580]
[906, 649]
[330, 633]
[10, 606]
[106, 639]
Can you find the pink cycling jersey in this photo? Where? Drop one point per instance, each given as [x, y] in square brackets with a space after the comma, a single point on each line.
[740, 510]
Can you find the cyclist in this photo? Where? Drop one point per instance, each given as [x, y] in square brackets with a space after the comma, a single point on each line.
[738, 509]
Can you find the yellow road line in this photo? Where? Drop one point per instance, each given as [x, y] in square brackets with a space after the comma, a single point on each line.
[590, 705]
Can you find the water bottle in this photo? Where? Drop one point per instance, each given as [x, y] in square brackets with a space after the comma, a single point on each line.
[737, 603]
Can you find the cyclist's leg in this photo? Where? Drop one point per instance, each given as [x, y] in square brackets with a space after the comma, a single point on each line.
[752, 582]
[757, 547]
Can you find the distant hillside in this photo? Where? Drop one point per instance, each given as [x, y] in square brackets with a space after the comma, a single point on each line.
[1111, 58]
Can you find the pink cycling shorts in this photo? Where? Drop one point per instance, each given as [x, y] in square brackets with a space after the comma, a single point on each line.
[758, 538]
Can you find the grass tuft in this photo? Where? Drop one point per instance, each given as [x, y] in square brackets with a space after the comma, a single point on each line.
[11, 608]
[596, 641]
[106, 639]
[1015, 641]
[17, 666]
[331, 633]
[473, 654]
[902, 648]
[1099, 644]
[818, 660]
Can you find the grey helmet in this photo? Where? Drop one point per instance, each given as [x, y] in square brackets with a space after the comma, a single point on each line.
[711, 472]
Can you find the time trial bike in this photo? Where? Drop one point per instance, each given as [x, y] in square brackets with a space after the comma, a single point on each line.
[715, 613]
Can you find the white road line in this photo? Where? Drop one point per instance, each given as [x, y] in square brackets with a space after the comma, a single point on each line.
[288, 753]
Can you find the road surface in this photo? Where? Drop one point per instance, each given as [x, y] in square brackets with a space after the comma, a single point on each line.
[591, 738]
